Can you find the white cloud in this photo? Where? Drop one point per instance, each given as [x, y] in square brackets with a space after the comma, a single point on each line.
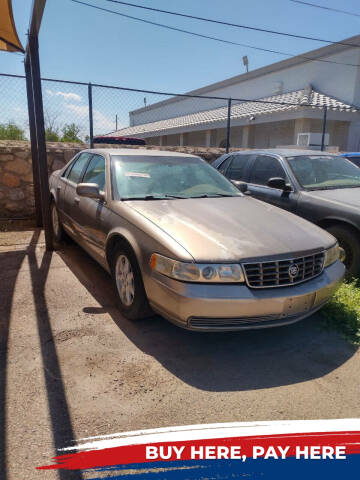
[66, 95]
[102, 124]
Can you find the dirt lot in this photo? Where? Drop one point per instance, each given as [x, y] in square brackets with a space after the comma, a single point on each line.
[71, 366]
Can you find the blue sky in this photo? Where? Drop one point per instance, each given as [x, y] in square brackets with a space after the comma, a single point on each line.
[80, 43]
[84, 44]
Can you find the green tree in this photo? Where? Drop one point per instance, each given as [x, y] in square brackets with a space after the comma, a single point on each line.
[10, 131]
[51, 128]
[70, 133]
[52, 135]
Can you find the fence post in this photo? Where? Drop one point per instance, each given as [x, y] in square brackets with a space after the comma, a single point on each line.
[228, 126]
[91, 120]
[34, 151]
[323, 129]
[41, 158]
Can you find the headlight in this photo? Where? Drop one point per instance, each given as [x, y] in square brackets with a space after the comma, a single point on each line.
[331, 255]
[197, 272]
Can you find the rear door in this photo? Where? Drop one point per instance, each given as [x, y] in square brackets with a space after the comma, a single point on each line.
[238, 167]
[262, 169]
[71, 199]
[61, 187]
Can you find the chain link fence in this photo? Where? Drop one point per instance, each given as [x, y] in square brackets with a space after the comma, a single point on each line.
[14, 120]
[78, 112]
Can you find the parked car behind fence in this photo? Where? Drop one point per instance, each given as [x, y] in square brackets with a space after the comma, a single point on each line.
[320, 187]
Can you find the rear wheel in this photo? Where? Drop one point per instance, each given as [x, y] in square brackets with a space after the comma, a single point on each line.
[349, 240]
[58, 232]
[128, 284]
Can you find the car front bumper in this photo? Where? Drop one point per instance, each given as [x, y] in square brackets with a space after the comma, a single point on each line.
[225, 307]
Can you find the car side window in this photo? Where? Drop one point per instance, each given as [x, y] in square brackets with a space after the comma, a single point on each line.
[78, 166]
[237, 168]
[95, 171]
[224, 165]
[355, 160]
[218, 161]
[264, 168]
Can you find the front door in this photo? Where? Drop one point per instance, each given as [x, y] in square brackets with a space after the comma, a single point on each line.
[90, 213]
[263, 168]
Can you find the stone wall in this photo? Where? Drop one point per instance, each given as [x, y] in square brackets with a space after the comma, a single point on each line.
[16, 179]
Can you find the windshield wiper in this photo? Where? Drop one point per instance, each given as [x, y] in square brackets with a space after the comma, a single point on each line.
[152, 197]
[214, 195]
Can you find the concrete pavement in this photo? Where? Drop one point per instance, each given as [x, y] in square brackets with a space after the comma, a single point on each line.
[71, 366]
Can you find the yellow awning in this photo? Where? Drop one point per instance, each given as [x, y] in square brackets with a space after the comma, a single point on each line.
[9, 40]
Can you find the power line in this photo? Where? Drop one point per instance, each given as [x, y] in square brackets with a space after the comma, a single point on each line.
[326, 8]
[210, 37]
[219, 22]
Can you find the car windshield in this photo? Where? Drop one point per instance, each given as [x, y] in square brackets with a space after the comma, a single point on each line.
[322, 172]
[152, 178]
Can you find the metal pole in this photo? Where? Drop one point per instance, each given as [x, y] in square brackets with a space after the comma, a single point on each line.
[116, 122]
[323, 129]
[91, 120]
[228, 126]
[40, 139]
[34, 152]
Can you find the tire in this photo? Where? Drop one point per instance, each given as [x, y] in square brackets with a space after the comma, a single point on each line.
[128, 284]
[58, 232]
[349, 240]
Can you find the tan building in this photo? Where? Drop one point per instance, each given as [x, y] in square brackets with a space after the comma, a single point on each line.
[293, 95]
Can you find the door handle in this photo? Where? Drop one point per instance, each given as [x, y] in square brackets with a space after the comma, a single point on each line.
[77, 199]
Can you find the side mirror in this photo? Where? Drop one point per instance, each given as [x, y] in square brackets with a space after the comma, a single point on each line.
[90, 190]
[242, 186]
[279, 183]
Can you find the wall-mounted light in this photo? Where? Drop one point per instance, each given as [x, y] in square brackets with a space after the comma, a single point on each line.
[246, 62]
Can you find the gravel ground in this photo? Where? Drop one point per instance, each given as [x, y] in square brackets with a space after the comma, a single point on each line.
[71, 366]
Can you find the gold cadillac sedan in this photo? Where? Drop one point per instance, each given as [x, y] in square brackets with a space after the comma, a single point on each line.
[180, 240]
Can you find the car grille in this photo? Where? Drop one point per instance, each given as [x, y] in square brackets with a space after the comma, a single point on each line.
[283, 272]
[199, 322]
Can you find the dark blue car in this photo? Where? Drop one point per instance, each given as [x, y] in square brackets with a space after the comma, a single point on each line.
[354, 157]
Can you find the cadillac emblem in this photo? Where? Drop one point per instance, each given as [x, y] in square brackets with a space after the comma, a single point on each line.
[293, 270]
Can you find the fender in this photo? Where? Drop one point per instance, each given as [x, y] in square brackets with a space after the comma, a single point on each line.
[333, 219]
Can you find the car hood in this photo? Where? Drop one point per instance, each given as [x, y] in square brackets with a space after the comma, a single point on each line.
[232, 229]
[349, 197]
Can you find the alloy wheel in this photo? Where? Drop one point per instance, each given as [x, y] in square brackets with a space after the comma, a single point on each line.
[55, 221]
[124, 277]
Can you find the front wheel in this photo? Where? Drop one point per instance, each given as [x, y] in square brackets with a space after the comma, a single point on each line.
[349, 240]
[129, 287]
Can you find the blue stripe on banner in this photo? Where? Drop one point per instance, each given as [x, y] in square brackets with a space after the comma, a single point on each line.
[259, 469]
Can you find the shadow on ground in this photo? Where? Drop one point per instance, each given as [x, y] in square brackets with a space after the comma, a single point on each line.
[11, 262]
[219, 362]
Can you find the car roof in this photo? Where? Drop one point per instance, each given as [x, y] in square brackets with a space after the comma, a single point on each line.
[284, 152]
[139, 152]
[350, 154]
